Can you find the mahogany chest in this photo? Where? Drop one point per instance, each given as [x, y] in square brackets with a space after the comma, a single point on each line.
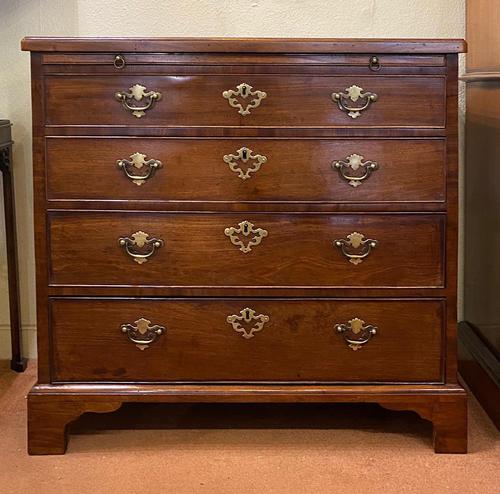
[246, 220]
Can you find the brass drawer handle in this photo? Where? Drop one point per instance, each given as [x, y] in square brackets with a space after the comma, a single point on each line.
[353, 163]
[139, 246]
[352, 95]
[138, 93]
[355, 333]
[247, 230]
[247, 316]
[138, 161]
[142, 333]
[356, 247]
[119, 62]
[374, 63]
[244, 90]
[244, 155]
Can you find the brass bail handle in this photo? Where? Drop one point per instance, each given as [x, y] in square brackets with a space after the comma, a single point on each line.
[142, 332]
[356, 247]
[139, 246]
[138, 99]
[354, 169]
[356, 332]
[354, 100]
[138, 162]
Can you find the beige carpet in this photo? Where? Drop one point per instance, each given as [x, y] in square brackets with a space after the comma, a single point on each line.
[177, 449]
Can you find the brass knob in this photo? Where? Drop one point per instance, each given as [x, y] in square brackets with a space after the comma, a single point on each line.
[374, 63]
[119, 62]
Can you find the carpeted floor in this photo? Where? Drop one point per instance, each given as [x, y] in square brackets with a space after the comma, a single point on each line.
[261, 449]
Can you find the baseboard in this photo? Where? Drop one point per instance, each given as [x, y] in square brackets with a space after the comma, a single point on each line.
[29, 341]
[480, 369]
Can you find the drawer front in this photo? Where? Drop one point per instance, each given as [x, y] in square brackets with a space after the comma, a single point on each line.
[245, 249]
[212, 100]
[234, 170]
[246, 340]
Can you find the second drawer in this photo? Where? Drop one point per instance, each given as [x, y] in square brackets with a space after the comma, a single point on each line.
[246, 249]
[246, 170]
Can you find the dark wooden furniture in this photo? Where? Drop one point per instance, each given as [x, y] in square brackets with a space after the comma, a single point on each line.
[17, 363]
[245, 221]
[479, 333]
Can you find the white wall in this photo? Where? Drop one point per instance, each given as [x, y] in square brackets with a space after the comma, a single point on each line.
[230, 18]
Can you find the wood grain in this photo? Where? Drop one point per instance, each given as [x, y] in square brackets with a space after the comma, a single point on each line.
[299, 343]
[51, 407]
[479, 333]
[407, 285]
[483, 18]
[296, 170]
[292, 101]
[243, 45]
[298, 250]
[150, 61]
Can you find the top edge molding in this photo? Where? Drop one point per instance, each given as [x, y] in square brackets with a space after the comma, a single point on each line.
[243, 45]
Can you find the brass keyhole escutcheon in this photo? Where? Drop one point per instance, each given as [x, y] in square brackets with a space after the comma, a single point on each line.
[247, 316]
[245, 230]
[244, 91]
[244, 157]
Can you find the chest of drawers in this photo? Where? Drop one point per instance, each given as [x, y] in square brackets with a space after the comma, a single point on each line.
[245, 221]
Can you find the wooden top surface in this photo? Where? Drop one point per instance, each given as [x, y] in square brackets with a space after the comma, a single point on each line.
[245, 45]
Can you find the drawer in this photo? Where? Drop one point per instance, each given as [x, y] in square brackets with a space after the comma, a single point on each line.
[246, 170]
[246, 340]
[246, 249]
[225, 60]
[238, 100]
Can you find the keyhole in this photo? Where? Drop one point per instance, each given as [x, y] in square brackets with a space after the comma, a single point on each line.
[245, 228]
[244, 154]
[247, 314]
[244, 91]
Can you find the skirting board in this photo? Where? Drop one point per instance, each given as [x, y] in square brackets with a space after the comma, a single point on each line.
[480, 369]
[29, 341]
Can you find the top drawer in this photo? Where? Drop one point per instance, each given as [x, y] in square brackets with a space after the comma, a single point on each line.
[246, 100]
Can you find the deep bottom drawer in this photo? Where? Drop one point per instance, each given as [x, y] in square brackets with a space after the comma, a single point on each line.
[246, 340]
